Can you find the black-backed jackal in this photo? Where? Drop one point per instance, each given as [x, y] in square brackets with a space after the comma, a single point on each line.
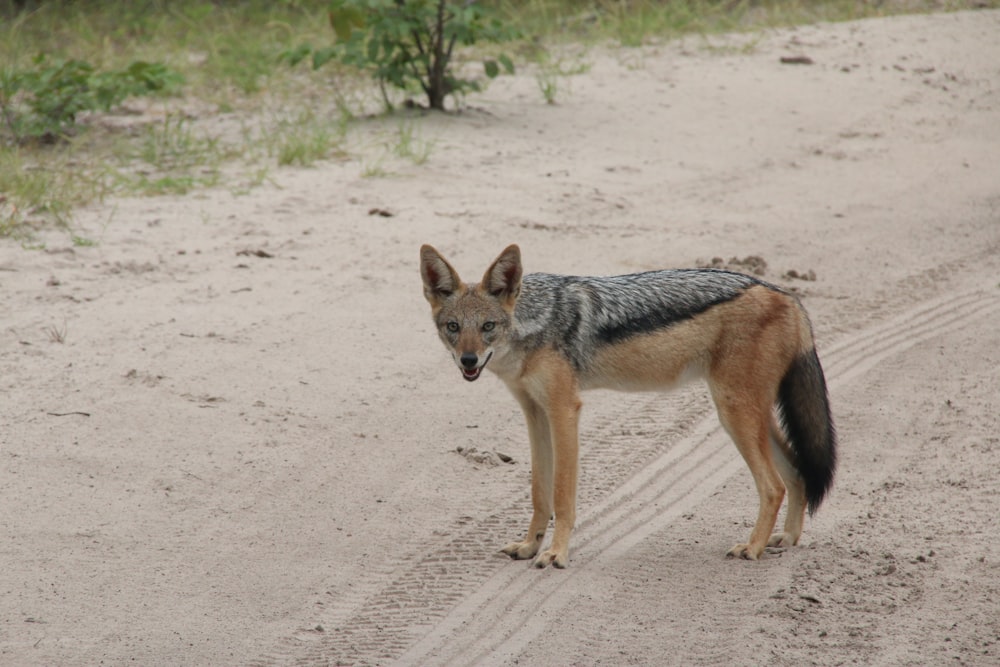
[548, 337]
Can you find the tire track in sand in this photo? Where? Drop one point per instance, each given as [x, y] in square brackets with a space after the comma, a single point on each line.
[501, 619]
[463, 604]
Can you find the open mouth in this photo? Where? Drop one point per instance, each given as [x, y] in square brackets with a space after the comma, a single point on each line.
[472, 374]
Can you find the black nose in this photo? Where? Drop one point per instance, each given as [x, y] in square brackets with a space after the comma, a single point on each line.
[469, 360]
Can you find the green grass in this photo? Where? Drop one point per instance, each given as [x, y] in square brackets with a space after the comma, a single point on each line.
[374, 169]
[636, 22]
[553, 73]
[257, 114]
[410, 145]
[81, 241]
[35, 193]
[223, 49]
[175, 144]
[307, 138]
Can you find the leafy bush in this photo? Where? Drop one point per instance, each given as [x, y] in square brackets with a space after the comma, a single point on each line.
[409, 44]
[43, 102]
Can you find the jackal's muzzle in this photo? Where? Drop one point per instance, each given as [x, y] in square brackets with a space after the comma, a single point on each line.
[471, 368]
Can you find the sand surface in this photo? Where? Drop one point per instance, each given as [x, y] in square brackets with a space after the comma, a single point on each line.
[244, 448]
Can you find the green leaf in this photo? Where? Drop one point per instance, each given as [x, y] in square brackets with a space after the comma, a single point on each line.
[323, 56]
[344, 19]
[507, 63]
[492, 69]
[294, 56]
[373, 50]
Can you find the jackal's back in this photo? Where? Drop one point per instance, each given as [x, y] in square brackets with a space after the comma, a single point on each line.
[576, 314]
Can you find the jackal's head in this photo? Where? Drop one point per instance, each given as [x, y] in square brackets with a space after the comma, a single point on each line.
[474, 321]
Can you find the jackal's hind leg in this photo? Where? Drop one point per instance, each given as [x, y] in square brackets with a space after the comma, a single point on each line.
[794, 486]
[748, 425]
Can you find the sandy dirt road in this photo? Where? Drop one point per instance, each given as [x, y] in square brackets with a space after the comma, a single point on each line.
[244, 450]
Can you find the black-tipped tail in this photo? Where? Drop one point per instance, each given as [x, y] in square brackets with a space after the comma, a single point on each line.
[804, 408]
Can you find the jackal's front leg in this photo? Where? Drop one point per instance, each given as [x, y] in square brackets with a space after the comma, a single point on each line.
[565, 446]
[562, 407]
[541, 479]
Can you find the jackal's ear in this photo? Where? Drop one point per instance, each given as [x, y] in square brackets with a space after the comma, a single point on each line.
[440, 279]
[503, 278]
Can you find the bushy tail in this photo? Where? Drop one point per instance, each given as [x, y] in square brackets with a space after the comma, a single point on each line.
[804, 409]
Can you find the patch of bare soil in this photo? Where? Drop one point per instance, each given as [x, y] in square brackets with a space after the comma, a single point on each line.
[229, 435]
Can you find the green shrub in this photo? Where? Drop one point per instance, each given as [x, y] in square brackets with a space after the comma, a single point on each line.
[409, 44]
[43, 102]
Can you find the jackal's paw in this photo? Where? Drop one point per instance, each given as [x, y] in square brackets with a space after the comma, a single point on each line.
[782, 540]
[521, 550]
[743, 551]
[552, 557]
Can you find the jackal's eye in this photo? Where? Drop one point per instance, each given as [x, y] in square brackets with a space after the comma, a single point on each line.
[488, 326]
[452, 327]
